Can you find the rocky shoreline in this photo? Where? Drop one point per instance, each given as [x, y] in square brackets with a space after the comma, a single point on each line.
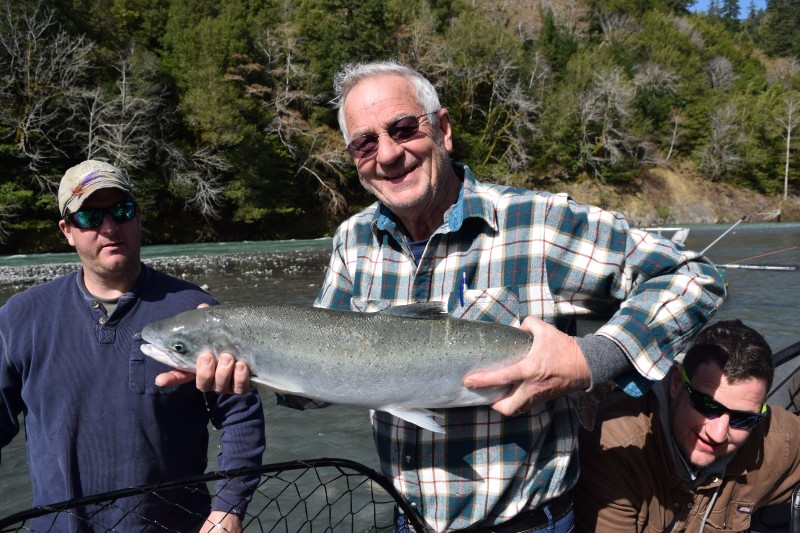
[203, 270]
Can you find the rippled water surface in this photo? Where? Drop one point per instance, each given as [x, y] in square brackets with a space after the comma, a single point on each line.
[291, 272]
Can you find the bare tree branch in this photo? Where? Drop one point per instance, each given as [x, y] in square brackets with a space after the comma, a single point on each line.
[789, 123]
[603, 110]
[720, 73]
[720, 154]
[318, 152]
[199, 174]
[43, 70]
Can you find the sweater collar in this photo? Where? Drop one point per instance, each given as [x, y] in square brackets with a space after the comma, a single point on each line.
[132, 294]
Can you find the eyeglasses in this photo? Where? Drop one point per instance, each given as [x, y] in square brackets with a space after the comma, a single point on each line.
[708, 407]
[93, 217]
[401, 130]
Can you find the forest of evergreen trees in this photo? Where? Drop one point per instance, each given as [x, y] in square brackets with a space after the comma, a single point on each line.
[220, 110]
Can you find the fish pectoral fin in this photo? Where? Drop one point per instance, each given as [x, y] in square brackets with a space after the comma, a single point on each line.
[421, 417]
[264, 382]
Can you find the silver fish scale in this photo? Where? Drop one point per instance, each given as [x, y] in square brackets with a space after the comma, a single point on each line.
[363, 359]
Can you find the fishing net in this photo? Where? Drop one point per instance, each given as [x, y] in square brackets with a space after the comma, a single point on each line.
[319, 495]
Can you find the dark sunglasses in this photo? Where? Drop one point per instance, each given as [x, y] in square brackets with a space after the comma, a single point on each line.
[401, 130]
[93, 217]
[708, 407]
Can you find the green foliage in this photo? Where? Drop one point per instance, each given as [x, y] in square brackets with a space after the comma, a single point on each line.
[779, 29]
[240, 139]
[340, 31]
[555, 42]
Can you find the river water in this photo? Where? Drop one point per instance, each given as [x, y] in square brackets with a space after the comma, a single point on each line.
[291, 272]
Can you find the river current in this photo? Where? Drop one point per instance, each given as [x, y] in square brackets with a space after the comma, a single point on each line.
[291, 272]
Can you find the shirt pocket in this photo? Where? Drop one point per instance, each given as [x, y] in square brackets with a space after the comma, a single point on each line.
[499, 305]
[142, 371]
[735, 516]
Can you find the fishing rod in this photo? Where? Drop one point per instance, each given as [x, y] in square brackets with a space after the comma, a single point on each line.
[763, 267]
[715, 241]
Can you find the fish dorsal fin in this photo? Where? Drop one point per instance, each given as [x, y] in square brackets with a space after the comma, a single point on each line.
[425, 310]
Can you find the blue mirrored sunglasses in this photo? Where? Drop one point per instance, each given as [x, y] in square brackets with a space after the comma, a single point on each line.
[93, 217]
[708, 407]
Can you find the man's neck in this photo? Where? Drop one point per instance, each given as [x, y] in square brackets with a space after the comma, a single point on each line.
[113, 285]
[421, 226]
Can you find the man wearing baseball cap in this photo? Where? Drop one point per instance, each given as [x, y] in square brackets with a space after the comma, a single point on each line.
[83, 179]
[61, 339]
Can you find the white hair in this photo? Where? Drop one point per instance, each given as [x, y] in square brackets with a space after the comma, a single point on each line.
[349, 75]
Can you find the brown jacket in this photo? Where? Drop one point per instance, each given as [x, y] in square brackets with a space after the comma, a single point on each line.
[627, 482]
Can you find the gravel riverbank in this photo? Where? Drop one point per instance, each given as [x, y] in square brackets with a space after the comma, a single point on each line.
[226, 276]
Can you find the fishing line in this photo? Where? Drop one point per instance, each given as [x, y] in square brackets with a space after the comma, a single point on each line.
[766, 254]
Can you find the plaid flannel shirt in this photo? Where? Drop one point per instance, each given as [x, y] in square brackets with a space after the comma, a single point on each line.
[524, 253]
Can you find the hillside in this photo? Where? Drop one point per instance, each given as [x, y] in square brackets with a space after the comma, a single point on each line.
[664, 197]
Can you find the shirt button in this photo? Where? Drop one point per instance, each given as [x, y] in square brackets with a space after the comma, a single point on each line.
[102, 320]
[96, 304]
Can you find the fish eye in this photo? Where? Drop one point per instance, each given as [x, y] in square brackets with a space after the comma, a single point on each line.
[179, 347]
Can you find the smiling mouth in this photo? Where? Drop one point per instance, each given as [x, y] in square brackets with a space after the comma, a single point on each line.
[708, 446]
[401, 175]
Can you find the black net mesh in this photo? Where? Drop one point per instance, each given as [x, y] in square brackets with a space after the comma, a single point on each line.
[317, 495]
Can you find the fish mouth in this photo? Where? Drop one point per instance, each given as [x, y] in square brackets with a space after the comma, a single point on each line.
[166, 357]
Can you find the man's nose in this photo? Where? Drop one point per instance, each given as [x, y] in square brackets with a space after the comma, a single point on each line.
[388, 149]
[717, 428]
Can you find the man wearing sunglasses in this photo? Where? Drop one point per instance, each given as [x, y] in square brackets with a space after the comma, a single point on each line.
[61, 339]
[496, 254]
[701, 452]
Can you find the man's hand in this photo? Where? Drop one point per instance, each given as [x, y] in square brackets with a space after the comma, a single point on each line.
[174, 377]
[554, 367]
[220, 521]
[225, 376]
[229, 376]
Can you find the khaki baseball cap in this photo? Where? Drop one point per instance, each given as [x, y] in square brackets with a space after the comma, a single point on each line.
[85, 178]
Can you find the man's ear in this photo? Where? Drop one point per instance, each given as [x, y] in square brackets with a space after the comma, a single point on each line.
[66, 229]
[675, 380]
[445, 129]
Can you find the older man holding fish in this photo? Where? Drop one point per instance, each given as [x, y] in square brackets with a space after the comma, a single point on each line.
[495, 254]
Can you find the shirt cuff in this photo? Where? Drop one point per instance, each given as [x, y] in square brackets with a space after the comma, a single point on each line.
[605, 358]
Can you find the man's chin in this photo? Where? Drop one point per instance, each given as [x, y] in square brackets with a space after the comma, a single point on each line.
[701, 459]
[119, 263]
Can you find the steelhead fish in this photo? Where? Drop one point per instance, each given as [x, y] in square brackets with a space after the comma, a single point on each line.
[403, 361]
